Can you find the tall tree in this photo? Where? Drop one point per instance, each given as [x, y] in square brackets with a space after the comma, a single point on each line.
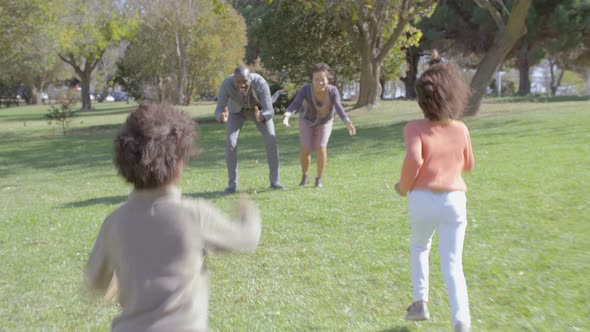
[89, 28]
[153, 64]
[375, 27]
[508, 34]
[290, 39]
[29, 43]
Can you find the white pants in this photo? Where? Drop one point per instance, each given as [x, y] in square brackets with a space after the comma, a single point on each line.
[447, 211]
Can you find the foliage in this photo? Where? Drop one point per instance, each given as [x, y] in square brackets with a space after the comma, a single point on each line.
[88, 29]
[374, 28]
[65, 113]
[30, 51]
[335, 259]
[290, 39]
[213, 44]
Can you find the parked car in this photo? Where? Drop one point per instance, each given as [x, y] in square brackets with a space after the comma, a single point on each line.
[120, 96]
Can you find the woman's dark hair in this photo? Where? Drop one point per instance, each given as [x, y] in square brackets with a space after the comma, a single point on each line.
[442, 92]
[321, 67]
[149, 147]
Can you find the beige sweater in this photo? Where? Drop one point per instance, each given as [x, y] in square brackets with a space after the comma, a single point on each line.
[155, 243]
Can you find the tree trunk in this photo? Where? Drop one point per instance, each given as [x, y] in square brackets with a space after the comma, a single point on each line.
[85, 85]
[555, 81]
[35, 95]
[412, 59]
[505, 40]
[181, 52]
[370, 88]
[524, 81]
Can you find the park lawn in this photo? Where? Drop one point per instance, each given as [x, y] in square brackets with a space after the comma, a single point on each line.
[335, 259]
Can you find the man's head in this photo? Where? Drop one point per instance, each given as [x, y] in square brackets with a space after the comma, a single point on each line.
[151, 148]
[242, 79]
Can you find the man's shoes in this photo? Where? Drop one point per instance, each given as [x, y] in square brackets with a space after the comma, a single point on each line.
[461, 327]
[230, 190]
[418, 311]
[303, 180]
[277, 186]
[318, 182]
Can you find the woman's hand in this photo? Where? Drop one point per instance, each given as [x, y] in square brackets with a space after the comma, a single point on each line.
[286, 120]
[351, 128]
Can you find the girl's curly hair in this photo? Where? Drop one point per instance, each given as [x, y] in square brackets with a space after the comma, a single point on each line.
[442, 92]
[149, 147]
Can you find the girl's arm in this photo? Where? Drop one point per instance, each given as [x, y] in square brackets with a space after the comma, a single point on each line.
[413, 160]
[468, 153]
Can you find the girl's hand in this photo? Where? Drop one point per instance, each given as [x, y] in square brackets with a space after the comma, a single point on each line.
[397, 190]
[286, 120]
[351, 128]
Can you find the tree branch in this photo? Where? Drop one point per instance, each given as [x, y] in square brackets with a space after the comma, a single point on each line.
[496, 16]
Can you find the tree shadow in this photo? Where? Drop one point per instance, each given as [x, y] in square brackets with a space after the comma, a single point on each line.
[109, 200]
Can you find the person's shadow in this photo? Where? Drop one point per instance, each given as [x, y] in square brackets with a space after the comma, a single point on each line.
[109, 200]
[397, 329]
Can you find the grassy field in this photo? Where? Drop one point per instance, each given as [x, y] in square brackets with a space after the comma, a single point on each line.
[335, 259]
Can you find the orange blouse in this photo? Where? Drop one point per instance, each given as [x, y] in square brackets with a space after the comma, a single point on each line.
[436, 155]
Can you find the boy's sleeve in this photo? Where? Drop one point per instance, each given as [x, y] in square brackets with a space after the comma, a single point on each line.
[221, 233]
[413, 160]
[99, 268]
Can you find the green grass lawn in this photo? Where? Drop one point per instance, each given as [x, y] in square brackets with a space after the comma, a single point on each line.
[335, 259]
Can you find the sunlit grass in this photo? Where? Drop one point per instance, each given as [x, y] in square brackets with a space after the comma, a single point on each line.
[335, 259]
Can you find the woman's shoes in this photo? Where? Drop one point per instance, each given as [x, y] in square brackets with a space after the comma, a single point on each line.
[318, 182]
[303, 180]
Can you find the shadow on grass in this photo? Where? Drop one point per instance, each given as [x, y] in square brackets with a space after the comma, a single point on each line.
[535, 99]
[92, 147]
[109, 200]
[397, 329]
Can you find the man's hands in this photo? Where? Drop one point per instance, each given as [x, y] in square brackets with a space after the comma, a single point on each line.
[224, 115]
[351, 128]
[258, 114]
[286, 120]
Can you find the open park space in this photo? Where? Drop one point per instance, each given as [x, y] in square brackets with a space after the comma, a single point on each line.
[331, 259]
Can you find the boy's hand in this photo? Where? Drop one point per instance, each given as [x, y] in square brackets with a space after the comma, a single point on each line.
[286, 120]
[245, 207]
[398, 190]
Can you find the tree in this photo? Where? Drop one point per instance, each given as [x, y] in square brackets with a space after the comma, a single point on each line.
[506, 37]
[30, 45]
[89, 28]
[290, 39]
[171, 60]
[374, 28]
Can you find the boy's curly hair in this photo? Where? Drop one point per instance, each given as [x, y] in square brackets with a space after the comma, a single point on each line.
[149, 147]
[442, 92]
